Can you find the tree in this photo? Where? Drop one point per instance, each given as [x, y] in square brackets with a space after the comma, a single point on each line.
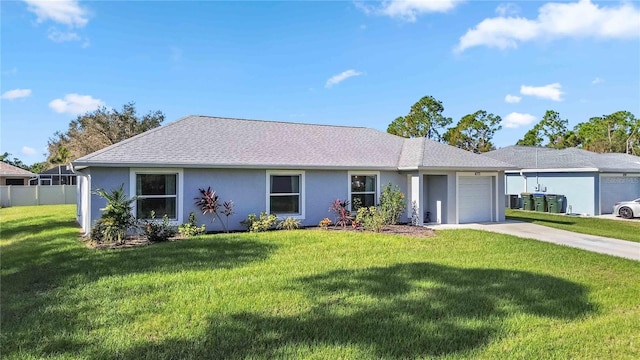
[99, 129]
[5, 158]
[474, 132]
[551, 128]
[425, 119]
[614, 133]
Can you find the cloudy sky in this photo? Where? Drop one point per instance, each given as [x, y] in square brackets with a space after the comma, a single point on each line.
[360, 63]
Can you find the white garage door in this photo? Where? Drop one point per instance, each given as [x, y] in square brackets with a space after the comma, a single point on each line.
[474, 199]
[617, 188]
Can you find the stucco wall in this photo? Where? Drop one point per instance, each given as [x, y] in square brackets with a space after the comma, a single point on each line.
[514, 184]
[578, 188]
[246, 188]
[108, 179]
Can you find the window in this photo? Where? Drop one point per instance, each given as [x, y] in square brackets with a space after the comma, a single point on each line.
[158, 193]
[363, 190]
[285, 193]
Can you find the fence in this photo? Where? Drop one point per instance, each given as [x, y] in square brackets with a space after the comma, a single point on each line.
[16, 195]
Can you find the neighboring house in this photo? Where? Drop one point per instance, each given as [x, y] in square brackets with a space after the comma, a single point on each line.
[289, 169]
[591, 182]
[58, 175]
[13, 175]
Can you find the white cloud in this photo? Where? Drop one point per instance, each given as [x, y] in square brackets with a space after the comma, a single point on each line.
[515, 120]
[336, 79]
[597, 81]
[16, 94]
[507, 9]
[408, 10]
[67, 12]
[581, 19]
[28, 150]
[512, 99]
[56, 35]
[551, 91]
[75, 104]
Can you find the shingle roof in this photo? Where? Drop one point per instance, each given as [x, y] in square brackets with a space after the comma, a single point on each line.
[526, 157]
[203, 141]
[10, 170]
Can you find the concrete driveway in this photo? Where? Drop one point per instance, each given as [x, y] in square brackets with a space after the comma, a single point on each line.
[599, 244]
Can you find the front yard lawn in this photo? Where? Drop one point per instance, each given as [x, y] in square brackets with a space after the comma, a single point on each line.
[623, 230]
[309, 294]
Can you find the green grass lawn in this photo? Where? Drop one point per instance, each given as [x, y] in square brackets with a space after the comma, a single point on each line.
[624, 230]
[309, 294]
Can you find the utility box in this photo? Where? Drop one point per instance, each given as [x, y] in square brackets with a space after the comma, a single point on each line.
[540, 202]
[555, 203]
[527, 201]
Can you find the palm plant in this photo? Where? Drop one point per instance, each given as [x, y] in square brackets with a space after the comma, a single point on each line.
[117, 217]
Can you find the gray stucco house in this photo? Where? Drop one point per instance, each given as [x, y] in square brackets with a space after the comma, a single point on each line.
[591, 182]
[289, 169]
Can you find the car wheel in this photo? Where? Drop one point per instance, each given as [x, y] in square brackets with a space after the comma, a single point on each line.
[625, 212]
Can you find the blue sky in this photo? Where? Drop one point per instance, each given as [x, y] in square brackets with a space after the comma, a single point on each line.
[331, 62]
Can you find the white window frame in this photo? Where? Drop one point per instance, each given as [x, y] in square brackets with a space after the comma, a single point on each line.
[363, 173]
[301, 194]
[133, 172]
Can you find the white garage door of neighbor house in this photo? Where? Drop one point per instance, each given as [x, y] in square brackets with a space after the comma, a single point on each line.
[617, 188]
[474, 199]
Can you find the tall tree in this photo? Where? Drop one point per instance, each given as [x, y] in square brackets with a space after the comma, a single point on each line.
[425, 119]
[99, 129]
[474, 132]
[613, 133]
[551, 132]
[6, 158]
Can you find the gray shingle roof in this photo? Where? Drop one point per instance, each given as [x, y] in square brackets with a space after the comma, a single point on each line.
[10, 170]
[203, 141]
[526, 157]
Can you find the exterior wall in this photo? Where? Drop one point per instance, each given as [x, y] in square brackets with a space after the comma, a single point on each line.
[436, 190]
[247, 188]
[514, 184]
[579, 189]
[502, 186]
[108, 179]
[25, 180]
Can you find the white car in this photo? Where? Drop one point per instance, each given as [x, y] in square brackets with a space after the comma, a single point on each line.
[627, 209]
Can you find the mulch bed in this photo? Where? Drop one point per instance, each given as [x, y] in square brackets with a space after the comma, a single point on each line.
[406, 230]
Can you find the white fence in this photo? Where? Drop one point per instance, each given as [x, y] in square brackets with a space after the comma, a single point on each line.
[15, 195]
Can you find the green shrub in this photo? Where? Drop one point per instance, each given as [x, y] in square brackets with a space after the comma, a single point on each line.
[157, 231]
[191, 228]
[370, 218]
[258, 224]
[392, 204]
[289, 224]
[117, 217]
[97, 231]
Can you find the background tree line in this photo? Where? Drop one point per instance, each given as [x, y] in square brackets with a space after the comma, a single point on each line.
[613, 133]
[91, 132]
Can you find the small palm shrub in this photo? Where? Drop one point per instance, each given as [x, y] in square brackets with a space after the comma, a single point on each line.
[191, 228]
[370, 218]
[117, 217]
[289, 224]
[392, 204]
[260, 223]
[158, 231]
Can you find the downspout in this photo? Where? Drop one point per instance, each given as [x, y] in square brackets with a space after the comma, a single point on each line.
[525, 181]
